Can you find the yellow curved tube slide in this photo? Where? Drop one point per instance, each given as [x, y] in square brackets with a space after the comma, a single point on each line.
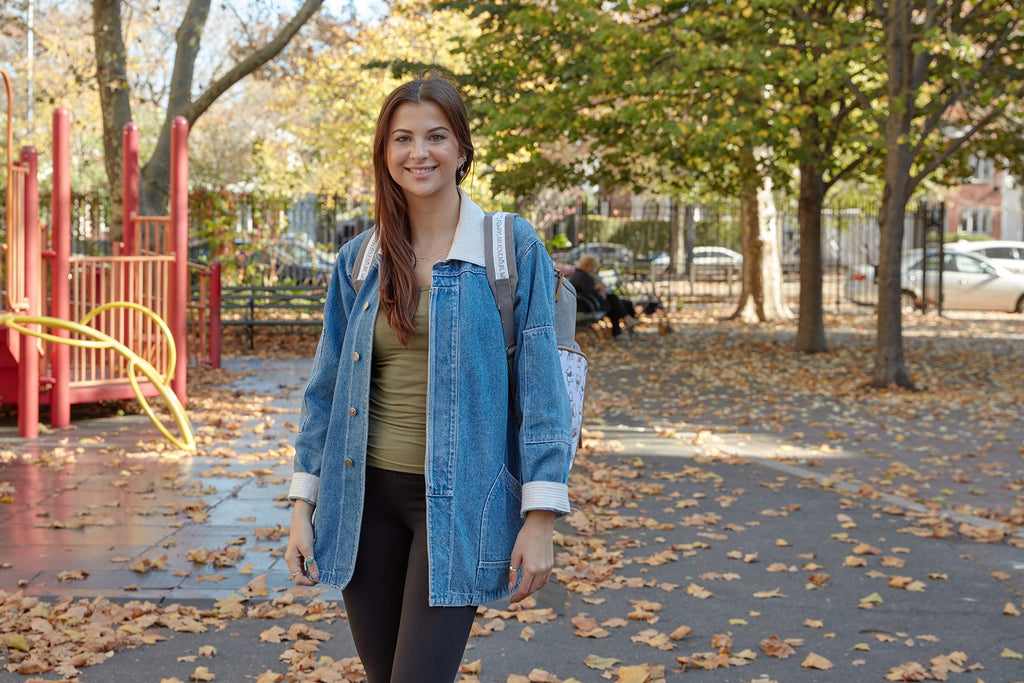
[99, 340]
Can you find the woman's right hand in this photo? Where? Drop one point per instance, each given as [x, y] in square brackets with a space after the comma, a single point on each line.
[299, 555]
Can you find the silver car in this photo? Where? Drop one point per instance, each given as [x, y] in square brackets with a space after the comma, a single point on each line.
[708, 262]
[969, 283]
[1005, 253]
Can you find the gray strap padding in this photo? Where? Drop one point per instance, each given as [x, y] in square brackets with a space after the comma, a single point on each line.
[364, 260]
[502, 276]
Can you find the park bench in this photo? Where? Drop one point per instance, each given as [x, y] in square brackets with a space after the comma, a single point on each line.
[586, 321]
[280, 306]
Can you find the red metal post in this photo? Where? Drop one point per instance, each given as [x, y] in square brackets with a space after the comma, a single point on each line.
[28, 368]
[179, 295]
[130, 187]
[60, 354]
[215, 328]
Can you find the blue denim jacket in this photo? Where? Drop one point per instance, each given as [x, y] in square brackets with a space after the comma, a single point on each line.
[487, 463]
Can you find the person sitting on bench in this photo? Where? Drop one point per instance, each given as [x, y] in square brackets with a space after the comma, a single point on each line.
[592, 295]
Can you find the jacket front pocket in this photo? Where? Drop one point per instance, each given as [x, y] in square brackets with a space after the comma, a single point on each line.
[501, 519]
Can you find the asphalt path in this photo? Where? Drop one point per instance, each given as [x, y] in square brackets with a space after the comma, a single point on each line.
[740, 536]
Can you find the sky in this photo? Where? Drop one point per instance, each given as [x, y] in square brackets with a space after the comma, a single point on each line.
[365, 9]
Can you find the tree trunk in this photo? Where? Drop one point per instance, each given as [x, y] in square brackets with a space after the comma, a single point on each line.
[761, 298]
[115, 97]
[154, 185]
[679, 239]
[890, 363]
[155, 181]
[810, 335]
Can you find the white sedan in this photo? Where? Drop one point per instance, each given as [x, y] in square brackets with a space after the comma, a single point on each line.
[708, 262]
[969, 283]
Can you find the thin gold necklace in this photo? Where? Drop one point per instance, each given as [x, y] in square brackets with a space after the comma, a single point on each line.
[431, 258]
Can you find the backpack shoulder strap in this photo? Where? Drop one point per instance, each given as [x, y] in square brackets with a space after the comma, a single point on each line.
[364, 259]
[500, 255]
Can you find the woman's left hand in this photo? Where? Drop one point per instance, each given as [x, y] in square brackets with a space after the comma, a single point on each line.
[533, 554]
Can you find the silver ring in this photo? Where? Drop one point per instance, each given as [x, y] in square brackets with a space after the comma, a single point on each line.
[512, 569]
[297, 572]
[309, 560]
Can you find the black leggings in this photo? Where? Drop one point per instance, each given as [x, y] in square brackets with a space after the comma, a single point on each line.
[399, 637]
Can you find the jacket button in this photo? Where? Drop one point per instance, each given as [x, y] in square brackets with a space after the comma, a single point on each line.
[352, 411]
[366, 305]
[355, 355]
[348, 462]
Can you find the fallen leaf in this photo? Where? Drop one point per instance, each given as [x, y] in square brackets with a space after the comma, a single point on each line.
[600, 663]
[774, 646]
[911, 671]
[698, 591]
[813, 661]
[680, 633]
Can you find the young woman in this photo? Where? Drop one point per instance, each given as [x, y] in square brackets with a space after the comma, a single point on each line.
[419, 489]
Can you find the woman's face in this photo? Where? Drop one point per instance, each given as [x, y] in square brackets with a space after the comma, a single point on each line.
[422, 153]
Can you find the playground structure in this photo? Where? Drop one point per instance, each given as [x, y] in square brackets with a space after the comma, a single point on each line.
[124, 298]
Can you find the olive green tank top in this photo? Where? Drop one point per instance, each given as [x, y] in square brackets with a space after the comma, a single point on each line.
[397, 435]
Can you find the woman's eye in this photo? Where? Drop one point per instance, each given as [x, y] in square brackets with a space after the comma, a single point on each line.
[438, 137]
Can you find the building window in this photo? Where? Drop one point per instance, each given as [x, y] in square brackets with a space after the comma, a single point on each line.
[984, 169]
[976, 221]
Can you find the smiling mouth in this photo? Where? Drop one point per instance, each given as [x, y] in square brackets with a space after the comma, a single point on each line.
[420, 171]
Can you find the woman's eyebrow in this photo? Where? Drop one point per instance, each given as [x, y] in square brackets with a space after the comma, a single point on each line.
[405, 130]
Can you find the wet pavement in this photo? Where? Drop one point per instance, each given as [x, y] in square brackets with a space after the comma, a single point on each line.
[107, 494]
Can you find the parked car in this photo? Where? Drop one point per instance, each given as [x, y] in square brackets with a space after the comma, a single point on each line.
[712, 260]
[1005, 253]
[969, 283]
[707, 262]
[607, 253]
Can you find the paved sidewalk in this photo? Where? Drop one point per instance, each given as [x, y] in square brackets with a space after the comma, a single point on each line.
[738, 549]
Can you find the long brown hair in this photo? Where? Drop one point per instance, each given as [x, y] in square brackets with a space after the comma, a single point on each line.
[399, 294]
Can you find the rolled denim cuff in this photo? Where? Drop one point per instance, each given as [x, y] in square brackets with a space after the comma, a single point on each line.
[545, 495]
[304, 487]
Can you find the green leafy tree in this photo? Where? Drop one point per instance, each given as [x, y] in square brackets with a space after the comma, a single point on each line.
[954, 79]
[331, 88]
[688, 98]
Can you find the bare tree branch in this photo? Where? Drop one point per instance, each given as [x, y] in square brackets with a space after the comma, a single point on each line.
[254, 61]
[958, 142]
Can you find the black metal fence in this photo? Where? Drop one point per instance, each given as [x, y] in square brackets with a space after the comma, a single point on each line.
[850, 243]
[850, 236]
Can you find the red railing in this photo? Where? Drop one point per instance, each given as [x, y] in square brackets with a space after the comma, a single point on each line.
[99, 280]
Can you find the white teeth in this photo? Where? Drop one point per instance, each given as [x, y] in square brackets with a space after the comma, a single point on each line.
[420, 171]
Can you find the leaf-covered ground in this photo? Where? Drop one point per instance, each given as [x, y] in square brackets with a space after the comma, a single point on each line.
[744, 513]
